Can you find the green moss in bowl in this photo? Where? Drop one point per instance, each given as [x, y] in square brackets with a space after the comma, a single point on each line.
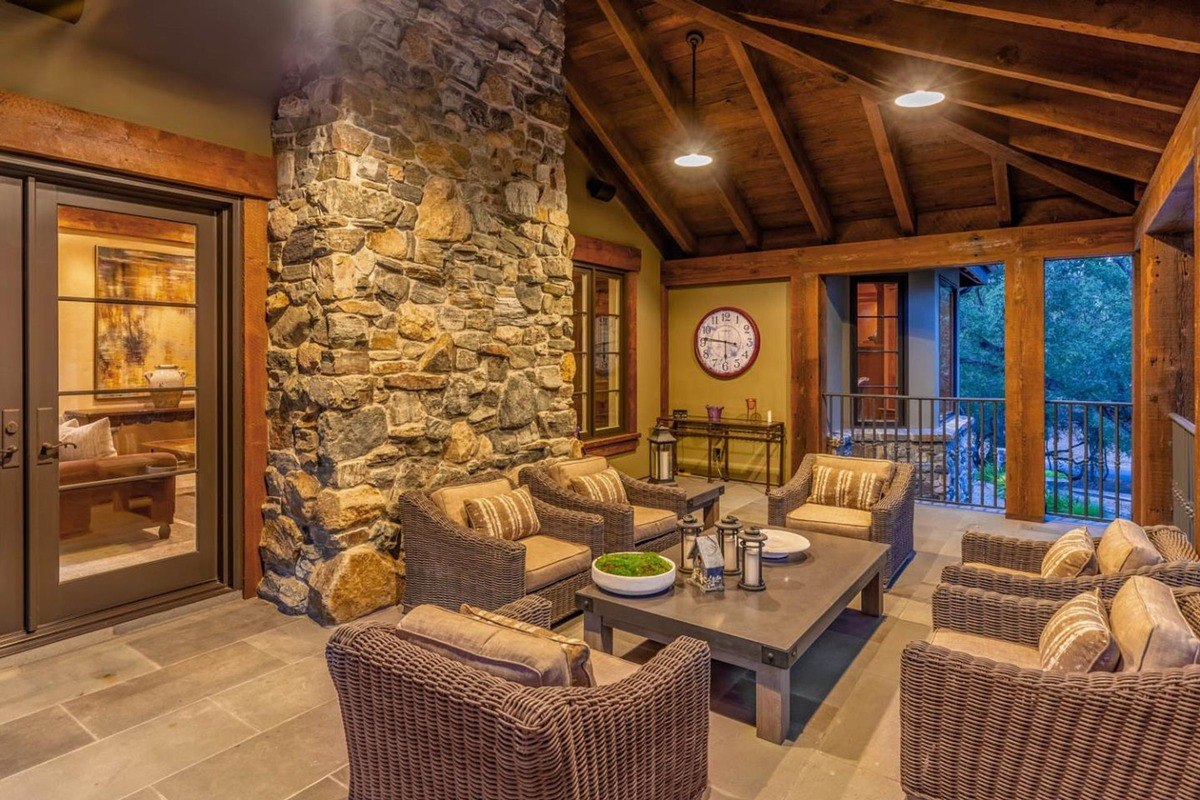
[633, 565]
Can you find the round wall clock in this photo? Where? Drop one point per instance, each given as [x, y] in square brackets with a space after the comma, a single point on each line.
[726, 342]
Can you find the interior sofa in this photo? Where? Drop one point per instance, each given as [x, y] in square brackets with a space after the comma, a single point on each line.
[153, 498]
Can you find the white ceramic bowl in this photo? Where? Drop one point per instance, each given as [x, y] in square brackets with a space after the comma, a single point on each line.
[633, 586]
[783, 544]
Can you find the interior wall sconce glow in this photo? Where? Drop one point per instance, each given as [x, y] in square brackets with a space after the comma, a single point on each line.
[695, 155]
[920, 99]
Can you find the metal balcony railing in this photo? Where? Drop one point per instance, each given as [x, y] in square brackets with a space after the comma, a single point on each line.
[1089, 465]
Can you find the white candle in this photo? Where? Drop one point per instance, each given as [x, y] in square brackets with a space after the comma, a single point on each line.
[664, 465]
[768, 417]
[752, 575]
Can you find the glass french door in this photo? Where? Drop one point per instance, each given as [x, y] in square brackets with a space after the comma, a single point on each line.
[12, 424]
[121, 447]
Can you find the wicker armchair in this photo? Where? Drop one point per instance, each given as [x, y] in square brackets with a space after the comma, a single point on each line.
[449, 564]
[890, 522]
[972, 728]
[622, 531]
[1019, 563]
[423, 727]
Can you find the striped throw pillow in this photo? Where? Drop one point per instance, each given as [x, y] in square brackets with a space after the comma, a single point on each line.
[1071, 556]
[845, 488]
[510, 515]
[603, 487]
[577, 653]
[1078, 639]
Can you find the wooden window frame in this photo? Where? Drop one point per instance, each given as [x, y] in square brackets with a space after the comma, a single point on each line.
[627, 262]
[944, 283]
[901, 282]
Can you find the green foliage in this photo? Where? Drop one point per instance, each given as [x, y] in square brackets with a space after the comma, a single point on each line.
[1066, 507]
[633, 565]
[987, 474]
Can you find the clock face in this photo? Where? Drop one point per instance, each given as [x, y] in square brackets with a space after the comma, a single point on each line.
[726, 342]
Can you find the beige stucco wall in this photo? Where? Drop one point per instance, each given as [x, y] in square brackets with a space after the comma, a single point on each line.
[767, 380]
[611, 222]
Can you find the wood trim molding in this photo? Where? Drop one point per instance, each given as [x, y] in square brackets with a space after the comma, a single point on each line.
[93, 220]
[1025, 386]
[1065, 239]
[35, 127]
[664, 351]
[609, 255]
[254, 388]
[1172, 168]
[615, 445]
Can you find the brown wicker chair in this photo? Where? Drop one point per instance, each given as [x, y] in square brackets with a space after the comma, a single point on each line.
[1020, 562]
[622, 532]
[423, 727]
[891, 520]
[972, 728]
[449, 564]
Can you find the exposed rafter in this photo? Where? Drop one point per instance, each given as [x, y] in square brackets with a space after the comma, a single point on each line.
[723, 16]
[1104, 156]
[999, 48]
[671, 98]
[623, 154]
[1004, 203]
[771, 108]
[1157, 23]
[893, 170]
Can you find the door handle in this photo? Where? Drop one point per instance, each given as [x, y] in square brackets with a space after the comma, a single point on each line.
[10, 438]
[48, 450]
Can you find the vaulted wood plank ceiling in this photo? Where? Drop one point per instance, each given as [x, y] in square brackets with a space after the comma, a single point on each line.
[1056, 110]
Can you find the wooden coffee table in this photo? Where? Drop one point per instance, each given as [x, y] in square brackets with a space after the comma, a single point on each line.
[763, 631]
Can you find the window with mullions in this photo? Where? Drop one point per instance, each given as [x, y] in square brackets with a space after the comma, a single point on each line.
[878, 348]
[599, 334]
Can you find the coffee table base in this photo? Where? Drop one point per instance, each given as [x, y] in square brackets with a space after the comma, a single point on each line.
[772, 685]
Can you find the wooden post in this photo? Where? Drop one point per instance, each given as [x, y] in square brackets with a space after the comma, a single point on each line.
[1025, 386]
[254, 388]
[1158, 373]
[806, 319]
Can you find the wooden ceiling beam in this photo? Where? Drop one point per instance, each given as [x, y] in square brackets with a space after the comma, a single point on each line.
[672, 100]
[1115, 159]
[893, 170]
[1178, 160]
[1004, 199]
[1134, 74]
[1155, 23]
[769, 100]
[625, 156]
[722, 15]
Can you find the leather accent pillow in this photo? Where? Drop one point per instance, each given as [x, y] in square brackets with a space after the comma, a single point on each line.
[1072, 555]
[603, 487]
[1077, 638]
[578, 654]
[1149, 627]
[93, 440]
[845, 488]
[1125, 546]
[508, 516]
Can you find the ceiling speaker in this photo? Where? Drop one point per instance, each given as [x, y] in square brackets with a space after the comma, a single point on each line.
[601, 190]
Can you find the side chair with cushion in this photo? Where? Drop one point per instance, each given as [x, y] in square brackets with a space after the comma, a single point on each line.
[436, 722]
[984, 717]
[646, 519]
[874, 501]
[1014, 565]
[449, 561]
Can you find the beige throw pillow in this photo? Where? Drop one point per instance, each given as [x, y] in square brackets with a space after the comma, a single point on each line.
[578, 654]
[1149, 627]
[1077, 638]
[508, 516]
[845, 488]
[1125, 546]
[603, 487]
[1072, 555]
[93, 440]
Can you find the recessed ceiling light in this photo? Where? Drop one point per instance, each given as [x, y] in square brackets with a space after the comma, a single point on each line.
[693, 160]
[920, 99]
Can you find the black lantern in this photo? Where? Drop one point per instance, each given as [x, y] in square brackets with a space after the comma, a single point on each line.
[727, 533]
[751, 545]
[689, 529]
[662, 455]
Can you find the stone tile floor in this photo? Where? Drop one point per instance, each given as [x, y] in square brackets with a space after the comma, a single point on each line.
[233, 701]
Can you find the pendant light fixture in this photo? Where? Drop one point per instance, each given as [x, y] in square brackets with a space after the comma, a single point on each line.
[695, 155]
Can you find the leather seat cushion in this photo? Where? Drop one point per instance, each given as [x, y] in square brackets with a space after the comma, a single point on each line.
[849, 522]
[650, 523]
[549, 560]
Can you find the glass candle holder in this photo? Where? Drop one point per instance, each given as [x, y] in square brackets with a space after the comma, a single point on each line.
[689, 528]
[751, 544]
[727, 533]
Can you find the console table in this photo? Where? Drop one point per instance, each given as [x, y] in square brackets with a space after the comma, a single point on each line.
[770, 434]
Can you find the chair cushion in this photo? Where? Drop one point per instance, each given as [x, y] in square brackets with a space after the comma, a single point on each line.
[1001, 570]
[986, 647]
[562, 472]
[851, 522]
[503, 652]
[1125, 546]
[1149, 627]
[650, 523]
[452, 499]
[602, 487]
[577, 653]
[884, 469]
[508, 516]
[845, 488]
[1072, 555]
[549, 560]
[1077, 638]
[610, 669]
